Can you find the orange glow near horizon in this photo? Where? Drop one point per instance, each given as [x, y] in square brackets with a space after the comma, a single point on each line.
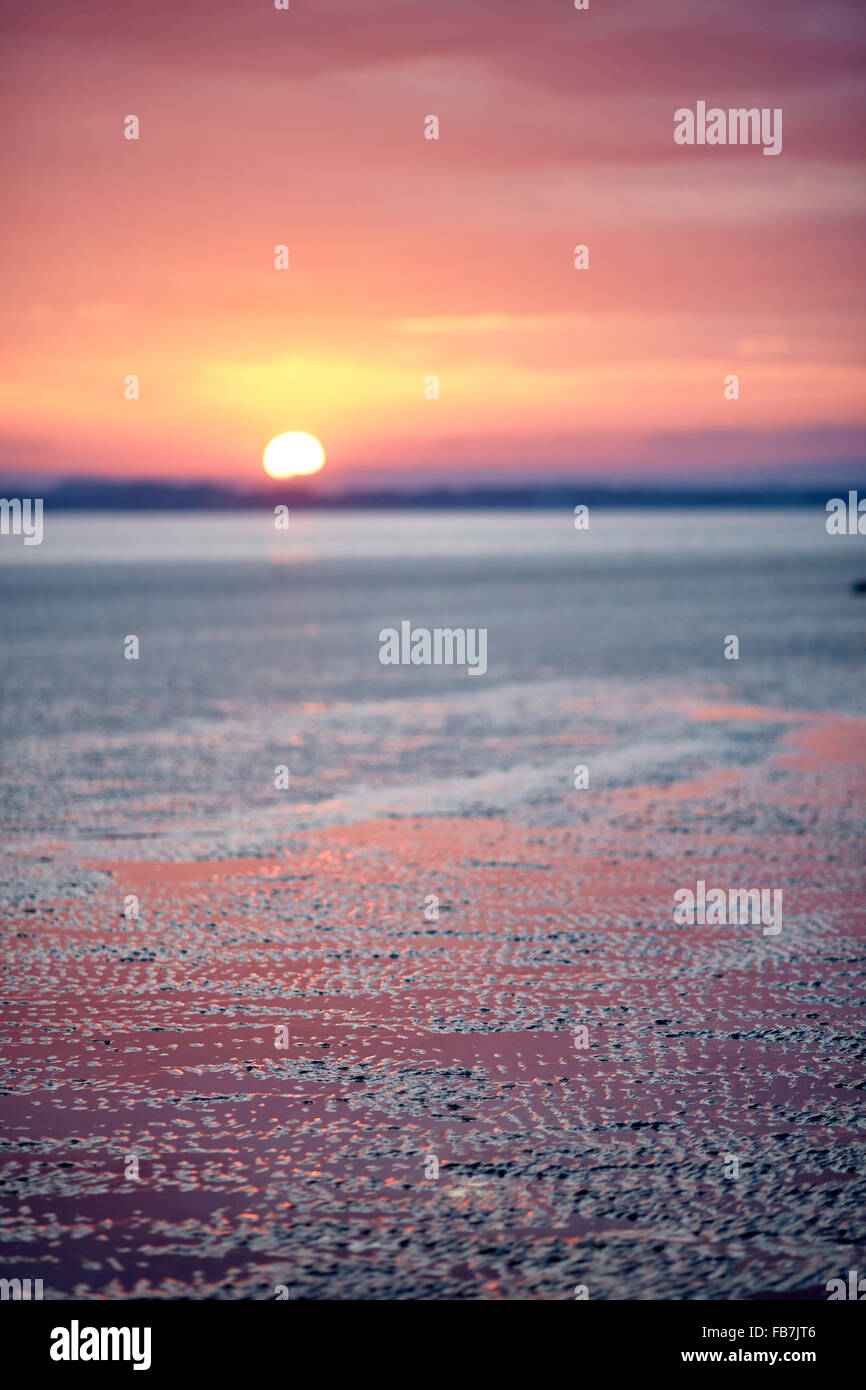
[409, 258]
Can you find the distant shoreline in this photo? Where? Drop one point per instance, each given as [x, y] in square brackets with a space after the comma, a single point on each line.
[101, 495]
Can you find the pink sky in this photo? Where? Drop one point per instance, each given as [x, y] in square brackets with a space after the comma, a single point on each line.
[411, 258]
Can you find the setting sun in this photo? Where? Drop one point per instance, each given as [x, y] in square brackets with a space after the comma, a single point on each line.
[293, 454]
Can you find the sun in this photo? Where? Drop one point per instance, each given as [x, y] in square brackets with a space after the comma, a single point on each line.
[290, 455]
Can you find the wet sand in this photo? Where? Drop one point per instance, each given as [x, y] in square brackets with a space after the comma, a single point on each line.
[558, 1165]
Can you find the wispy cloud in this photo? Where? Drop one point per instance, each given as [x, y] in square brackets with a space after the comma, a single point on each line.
[491, 323]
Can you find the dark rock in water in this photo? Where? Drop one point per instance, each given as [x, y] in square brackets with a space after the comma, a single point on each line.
[859, 586]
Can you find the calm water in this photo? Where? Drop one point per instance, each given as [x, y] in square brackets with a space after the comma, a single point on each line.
[260, 648]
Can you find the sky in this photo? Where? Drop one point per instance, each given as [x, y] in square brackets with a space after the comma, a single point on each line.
[412, 258]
